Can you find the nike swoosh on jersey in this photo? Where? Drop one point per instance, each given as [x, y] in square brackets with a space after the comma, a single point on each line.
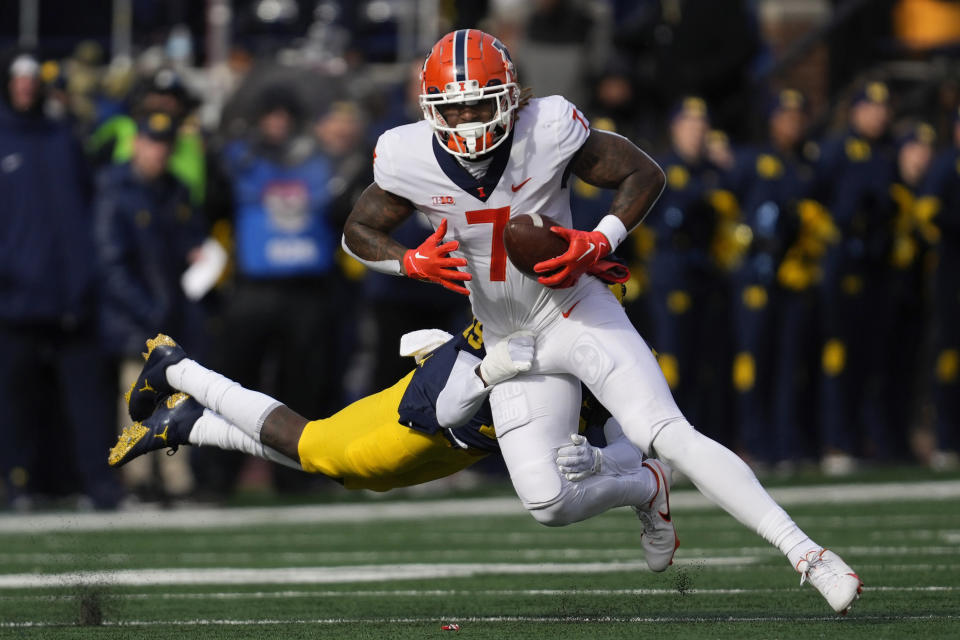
[566, 314]
[587, 252]
[517, 187]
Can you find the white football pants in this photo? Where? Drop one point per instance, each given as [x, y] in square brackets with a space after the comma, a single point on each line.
[535, 413]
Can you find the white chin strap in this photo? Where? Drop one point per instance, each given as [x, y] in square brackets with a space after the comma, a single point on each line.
[471, 132]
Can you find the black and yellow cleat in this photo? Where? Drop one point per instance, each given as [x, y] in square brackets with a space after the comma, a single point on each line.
[151, 386]
[168, 427]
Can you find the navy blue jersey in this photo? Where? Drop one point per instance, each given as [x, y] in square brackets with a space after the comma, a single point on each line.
[418, 407]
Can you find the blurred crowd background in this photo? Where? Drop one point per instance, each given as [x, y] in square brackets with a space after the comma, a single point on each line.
[186, 167]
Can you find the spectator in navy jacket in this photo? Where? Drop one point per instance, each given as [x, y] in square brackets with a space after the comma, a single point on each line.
[51, 371]
[146, 234]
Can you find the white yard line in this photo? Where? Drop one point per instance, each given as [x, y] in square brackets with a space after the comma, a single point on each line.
[438, 620]
[206, 518]
[444, 593]
[227, 556]
[327, 575]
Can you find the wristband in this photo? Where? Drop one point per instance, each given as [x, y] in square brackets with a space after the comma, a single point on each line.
[390, 267]
[613, 228]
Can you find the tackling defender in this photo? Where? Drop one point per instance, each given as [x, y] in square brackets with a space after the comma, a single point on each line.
[484, 152]
[432, 423]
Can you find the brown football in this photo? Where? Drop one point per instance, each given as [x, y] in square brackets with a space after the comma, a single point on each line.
[528, 240]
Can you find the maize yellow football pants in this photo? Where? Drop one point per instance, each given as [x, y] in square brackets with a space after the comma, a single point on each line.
[365, 446]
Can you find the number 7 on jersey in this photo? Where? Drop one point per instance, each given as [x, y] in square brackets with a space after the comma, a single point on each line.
[498, 253]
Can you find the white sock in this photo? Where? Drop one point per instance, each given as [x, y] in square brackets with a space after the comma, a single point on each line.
[243, 408]
[214, 430]
[620, 456]
[723, 477]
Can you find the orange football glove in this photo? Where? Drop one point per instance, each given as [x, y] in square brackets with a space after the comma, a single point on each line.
[431, 261]
[586, 249]
[610, 271]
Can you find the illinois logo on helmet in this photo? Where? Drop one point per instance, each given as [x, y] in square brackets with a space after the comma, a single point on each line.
[466, 67]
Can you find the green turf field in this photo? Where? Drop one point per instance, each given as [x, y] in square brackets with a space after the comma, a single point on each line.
[393, 569]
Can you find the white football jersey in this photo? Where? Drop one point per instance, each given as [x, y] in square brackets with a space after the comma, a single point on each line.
[528, 174]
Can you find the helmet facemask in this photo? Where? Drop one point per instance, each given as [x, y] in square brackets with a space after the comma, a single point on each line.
[472, 139]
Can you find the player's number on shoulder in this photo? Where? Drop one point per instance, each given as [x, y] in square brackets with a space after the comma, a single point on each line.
[498, 253]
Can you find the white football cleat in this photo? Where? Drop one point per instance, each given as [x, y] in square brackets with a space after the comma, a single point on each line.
[832, 577]
[659, 537]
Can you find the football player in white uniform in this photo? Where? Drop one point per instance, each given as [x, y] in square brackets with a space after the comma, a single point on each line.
[484, 152]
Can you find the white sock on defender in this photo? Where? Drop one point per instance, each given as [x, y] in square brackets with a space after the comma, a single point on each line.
[243, 408]
[212, 430]
[724, 478]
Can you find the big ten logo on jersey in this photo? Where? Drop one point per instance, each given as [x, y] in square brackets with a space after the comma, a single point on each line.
[287, 205]
[438, 200]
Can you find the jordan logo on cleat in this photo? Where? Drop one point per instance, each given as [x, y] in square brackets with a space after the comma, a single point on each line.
[162, 436]
[147, 387]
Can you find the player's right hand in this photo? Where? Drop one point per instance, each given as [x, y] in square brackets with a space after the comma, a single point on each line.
[585, 250]
[431, 261]
[512, 355]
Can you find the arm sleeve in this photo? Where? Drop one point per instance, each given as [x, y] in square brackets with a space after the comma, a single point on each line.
[463, 394]
[389, 267]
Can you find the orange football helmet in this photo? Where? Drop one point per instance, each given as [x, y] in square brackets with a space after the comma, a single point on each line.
[468, 66]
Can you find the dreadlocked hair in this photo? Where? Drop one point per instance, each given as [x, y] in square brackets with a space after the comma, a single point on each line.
[526, 94]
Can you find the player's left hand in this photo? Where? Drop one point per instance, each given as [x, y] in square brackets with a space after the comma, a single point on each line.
[585, 250]
[579, 459]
